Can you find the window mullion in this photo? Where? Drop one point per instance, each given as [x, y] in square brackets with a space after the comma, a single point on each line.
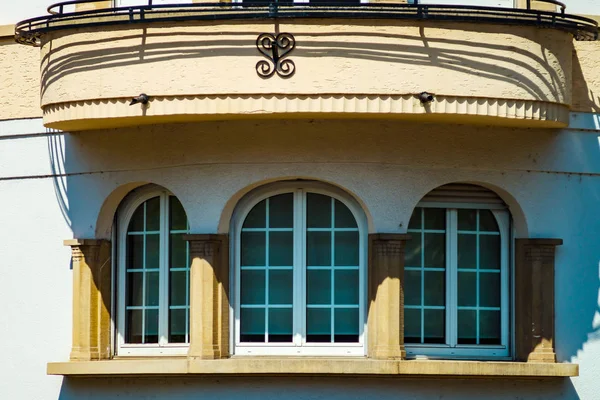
[299, 268]
[163, 280]
[452, 276]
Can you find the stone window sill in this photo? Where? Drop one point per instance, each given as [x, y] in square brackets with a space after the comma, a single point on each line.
[310, 366]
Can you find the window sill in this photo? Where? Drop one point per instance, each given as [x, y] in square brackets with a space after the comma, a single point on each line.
[310, 366]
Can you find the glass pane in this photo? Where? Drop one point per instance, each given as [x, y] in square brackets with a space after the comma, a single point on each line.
[281, 211]
[178, 283]
[487, 221]
[489, 327]
[153, 214]
[177, 217]
[346, 287]
[318, 211]
[435, 250]
[177, 325]
[135, 288]
[151, 325]
[413, 251]
[435, 218]
[280, 287]
[412, 288]
[152, 251]
[257, 216]
[467, 220]
[467, 251]
[415, 219]
[318, 325]
[281, 249]
[467, 289]
[346, 325]
[280, 325]
[489, 289]
[318, 248]
[346, 248]
[434, 326]
[253, 287]
[134, 326]
[467, 327]
[135, 252]
[137, 220]
[343, 216]
[489, 251]
[318, 287]
[152, 288]
[253, 249]
[252, 325]
[412, 325]
[435, 284]
[177, 251]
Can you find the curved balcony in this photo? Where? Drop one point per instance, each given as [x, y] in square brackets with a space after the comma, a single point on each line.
[200, 61]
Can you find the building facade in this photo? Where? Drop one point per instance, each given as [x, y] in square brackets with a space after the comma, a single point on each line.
[300, 200]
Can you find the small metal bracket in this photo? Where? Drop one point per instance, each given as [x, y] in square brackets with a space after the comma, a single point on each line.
[275, 49]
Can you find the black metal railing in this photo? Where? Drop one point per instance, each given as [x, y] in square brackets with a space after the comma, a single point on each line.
[64, 15]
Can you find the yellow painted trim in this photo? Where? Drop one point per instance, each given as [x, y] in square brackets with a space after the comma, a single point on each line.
[116, 112]
[7, 31]
[310, 366]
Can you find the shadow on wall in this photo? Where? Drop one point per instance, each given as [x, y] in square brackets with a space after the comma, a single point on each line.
[493, 61]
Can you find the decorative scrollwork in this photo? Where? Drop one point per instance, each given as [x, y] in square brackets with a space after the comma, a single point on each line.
[275, 49]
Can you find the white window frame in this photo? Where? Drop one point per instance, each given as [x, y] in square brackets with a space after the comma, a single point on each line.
[125, 213]
[298, 347]
[452, 349]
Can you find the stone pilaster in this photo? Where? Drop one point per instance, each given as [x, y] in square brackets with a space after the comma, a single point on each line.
[386, 296]
[91, 299]
[209, 301]
[534, 299]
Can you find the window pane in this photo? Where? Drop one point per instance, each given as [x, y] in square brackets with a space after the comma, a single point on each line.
[134, 326]
[177, 217]
[281, 288]
[467, 289]
[413, 251]
[281, 249]
[489, 289]
[435, 250]
[489, 252]
[135, 252]
[415, 219]
[257, 216]
[281, 211]
[152, 251]
[152, 288]
[318, 325]
[487, 221]
[153, 214]
[435, 285]
[135, 288]
[489, 327]
[346, 325]
[412, 325]
[253, 287]
[253, 248]
[435, 218]
[318, 211]
[178, 285]
[412, 288]
[346, 248]
[434, 326]
[343, 216]
[177, 251]
[467, 220]
[280, 325]
[252, 325]
[177, 325]
[346, 287]
[467, 251]
[318, 287]
[151, 325]
[318, 248]
[467, 327]
[136, 224]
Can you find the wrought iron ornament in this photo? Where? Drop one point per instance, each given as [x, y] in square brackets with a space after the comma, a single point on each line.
[275, 48]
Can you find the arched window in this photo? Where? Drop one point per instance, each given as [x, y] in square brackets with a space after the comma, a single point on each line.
[456, 274]
[299, 272]
[153, 274]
